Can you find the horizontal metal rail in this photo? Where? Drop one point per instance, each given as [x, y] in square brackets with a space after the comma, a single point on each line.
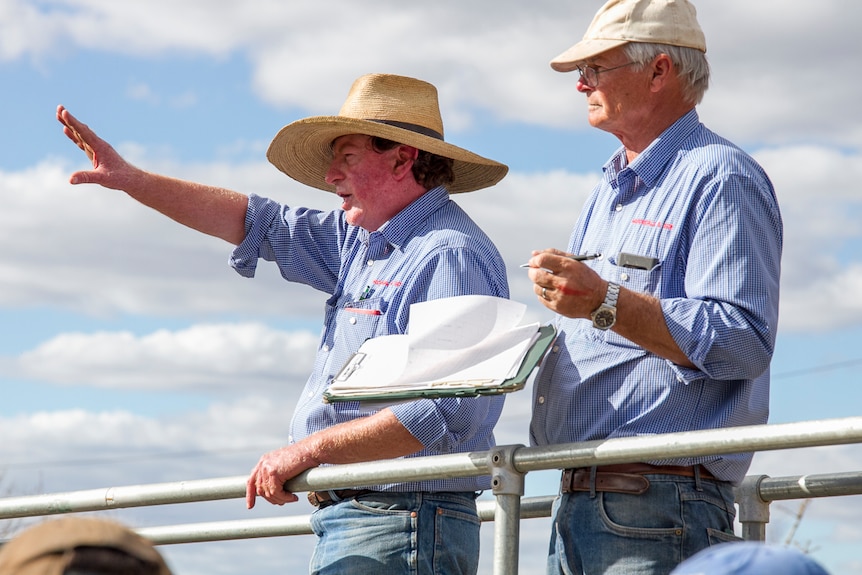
[769, 489]
[531, 507]
[523, 460]
[810, 486]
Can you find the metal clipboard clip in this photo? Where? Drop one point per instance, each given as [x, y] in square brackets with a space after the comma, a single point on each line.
[352, 365]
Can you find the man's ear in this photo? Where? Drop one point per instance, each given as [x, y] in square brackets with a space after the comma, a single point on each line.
[662, 68]
[405, 156]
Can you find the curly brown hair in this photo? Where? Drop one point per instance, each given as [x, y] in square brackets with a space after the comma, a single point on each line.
[430, 170]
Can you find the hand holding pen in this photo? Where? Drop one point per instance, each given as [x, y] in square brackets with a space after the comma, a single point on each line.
[576, 257]
[564, 287]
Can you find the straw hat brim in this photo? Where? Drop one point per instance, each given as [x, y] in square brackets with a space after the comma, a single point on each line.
[302, 150]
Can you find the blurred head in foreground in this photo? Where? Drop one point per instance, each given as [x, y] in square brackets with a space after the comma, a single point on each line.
[80, 546]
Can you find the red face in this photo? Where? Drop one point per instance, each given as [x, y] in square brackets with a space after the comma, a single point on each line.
[366, 181]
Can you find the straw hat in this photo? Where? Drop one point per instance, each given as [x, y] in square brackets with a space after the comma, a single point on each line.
[45, 549]
[397, 108]
[618, 22]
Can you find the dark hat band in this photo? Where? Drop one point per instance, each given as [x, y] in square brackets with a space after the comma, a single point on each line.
[412, 127]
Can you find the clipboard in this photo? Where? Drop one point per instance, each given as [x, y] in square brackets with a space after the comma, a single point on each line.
[547, 335]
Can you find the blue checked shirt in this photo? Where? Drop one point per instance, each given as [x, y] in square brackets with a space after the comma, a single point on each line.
[708, 214]
[429, 250]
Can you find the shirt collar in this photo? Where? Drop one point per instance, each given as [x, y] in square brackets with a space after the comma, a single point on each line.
[651, 162]
[400, 227]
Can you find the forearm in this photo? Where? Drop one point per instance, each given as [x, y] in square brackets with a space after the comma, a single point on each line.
[379, 436]
[211, 210]
[641, 320]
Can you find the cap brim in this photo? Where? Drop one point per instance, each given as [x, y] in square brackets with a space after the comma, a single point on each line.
[302, 150]
[583, 50]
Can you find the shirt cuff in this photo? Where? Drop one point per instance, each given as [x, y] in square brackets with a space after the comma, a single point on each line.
[259, 214]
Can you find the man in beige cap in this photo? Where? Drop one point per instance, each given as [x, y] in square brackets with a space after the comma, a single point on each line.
[669, 324]
[397, 239]
[80, 546]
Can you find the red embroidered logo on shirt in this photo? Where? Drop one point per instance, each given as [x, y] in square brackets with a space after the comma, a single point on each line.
[652, 224]
[393, 283]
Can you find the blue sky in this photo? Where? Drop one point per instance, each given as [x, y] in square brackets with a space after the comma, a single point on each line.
[130, 352]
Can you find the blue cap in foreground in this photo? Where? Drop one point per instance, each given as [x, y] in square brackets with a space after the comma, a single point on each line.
[749, 558]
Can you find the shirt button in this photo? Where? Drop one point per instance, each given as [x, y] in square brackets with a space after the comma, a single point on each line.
[353, 320]
[619, 207]
[369, 263]
[556, 349]
[541, 399]
[325, 347]
[624, 277]
[310, 394]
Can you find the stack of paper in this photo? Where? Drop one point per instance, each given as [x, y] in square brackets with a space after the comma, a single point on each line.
[463, 342]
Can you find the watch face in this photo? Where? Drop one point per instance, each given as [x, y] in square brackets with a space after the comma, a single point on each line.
[604, 318]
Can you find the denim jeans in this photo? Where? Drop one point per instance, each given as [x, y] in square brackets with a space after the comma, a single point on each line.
[648, 534]
[398, 534]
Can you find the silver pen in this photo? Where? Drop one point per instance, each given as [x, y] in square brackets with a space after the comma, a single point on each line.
[577, 258]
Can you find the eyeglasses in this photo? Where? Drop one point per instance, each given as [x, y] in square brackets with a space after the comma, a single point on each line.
[590, 75]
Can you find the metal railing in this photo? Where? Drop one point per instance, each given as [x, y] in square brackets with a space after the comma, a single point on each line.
[507, 466]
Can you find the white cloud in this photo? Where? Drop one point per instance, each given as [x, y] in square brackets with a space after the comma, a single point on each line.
[119, 257]
[769, 65]
[213, 356]
[141, 92]
[817, 190]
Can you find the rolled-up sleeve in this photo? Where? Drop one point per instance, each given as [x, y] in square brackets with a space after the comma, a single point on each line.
[258, 218]
[727, 324]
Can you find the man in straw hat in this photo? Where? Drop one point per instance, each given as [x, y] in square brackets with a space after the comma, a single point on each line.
[670, 324]
[80, 546]
[398, 239]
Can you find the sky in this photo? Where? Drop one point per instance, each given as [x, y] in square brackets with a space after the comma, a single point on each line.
[130, 352]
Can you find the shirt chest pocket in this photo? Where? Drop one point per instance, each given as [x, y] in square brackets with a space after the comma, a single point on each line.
[639, 279]
[358, 321]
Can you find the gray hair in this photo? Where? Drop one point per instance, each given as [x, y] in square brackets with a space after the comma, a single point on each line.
[691, 65]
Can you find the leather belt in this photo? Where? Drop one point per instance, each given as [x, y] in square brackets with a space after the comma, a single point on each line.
[324, 498]
[624, 477]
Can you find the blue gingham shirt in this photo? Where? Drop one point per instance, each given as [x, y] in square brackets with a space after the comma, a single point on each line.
[708, 214]
[429, 250]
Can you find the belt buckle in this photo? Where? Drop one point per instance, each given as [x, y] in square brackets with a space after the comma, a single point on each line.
[314, 499]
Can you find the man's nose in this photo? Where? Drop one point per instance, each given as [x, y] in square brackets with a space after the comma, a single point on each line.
[333, 175]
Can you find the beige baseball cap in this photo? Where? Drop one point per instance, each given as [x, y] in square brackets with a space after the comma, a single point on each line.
[619, 22]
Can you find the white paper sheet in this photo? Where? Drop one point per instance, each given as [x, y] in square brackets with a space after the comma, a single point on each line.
[464, 341]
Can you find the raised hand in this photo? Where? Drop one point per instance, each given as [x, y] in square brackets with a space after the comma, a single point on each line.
[109, 168]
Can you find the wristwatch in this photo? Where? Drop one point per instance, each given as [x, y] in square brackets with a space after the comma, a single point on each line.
[606, 315]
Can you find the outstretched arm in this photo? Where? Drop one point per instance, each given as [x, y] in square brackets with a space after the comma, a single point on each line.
[214, 211]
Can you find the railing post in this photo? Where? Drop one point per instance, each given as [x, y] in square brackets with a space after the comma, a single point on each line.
[753, 510]
[507, 484]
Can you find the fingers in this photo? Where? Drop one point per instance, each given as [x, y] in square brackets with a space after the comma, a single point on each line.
[73, 128]
[265, 482]
[544, 293]
[250, 494]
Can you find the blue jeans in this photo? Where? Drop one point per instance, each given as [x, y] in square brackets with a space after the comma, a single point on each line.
[648, 534]
[398, 534]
